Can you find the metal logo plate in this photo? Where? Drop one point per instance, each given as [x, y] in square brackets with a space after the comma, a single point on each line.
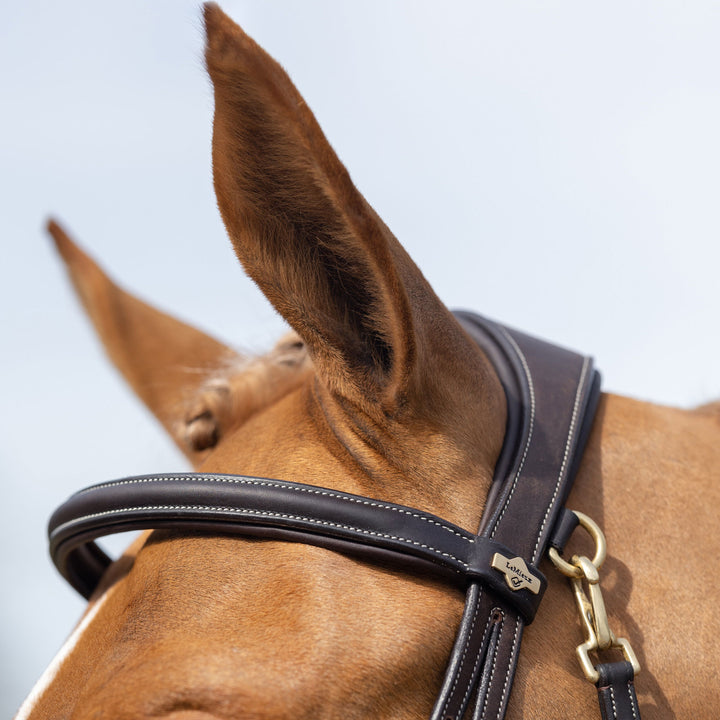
[516, 572]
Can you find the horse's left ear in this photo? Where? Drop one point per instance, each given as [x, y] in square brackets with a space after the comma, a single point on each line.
[164, 360]
[307, 236]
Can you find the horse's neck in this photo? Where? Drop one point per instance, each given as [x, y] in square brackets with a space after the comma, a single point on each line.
[649, 478]
[639, 450]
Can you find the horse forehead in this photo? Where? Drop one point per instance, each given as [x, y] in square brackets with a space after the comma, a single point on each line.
[260, 627]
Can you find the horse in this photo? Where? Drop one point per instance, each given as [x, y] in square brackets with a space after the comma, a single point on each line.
[378, 392]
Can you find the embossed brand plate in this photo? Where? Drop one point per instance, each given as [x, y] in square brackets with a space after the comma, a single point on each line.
[516, 573]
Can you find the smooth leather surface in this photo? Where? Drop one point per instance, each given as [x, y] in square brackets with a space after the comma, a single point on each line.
[616, 692]
[564, 528]
[557, 392]
[237, 504]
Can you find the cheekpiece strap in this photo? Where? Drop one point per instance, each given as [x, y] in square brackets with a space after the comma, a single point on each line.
[552, 396]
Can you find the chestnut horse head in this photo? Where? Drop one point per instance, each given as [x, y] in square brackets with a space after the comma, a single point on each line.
[378, 391]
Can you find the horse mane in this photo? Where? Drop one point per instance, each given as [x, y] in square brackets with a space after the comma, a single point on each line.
[241, 387]
[711, 408]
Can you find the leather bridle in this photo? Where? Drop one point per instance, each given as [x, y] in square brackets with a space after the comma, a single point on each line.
[551, 394]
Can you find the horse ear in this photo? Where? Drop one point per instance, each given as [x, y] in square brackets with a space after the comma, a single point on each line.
[302, 230]
[164, 360]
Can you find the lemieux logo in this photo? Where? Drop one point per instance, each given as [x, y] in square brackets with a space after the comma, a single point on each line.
[516, 572]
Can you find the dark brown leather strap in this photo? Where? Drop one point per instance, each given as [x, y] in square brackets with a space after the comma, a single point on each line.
[616, 692]
[560, 390]
[237, 504]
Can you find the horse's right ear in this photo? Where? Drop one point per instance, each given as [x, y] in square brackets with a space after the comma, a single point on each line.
[303, 231]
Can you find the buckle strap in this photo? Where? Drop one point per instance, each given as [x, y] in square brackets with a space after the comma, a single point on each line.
[616, 691]
[483, 662]
[497, 678]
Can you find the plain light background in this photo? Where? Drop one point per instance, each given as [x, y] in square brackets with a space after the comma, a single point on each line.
[553, 165]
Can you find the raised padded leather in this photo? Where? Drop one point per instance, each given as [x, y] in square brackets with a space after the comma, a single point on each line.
[236, 504]
[557, 392]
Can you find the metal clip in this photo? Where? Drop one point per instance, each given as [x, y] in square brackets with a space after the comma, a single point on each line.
[599, 636]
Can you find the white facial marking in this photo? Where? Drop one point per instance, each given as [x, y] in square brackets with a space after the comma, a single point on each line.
[53, 669]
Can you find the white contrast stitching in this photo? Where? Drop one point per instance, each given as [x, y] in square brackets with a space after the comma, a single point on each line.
[632, 698]
[492, 671]
[510, 665]
[244, 511]
[462, 660]
[612, 698]
[263, 483]
[531, 387]
[477, 660]
[568, 442]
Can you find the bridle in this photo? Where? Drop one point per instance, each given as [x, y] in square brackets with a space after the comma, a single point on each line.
[551, 394]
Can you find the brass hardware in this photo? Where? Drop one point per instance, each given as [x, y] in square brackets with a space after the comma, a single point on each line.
[598, 634]
[571, 570]
[516, 572]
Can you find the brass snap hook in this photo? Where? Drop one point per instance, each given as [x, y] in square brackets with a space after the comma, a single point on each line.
[593, 529]
[594, 617]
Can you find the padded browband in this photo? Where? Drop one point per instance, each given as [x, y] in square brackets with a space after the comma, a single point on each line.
[236, 504]
[551, 398]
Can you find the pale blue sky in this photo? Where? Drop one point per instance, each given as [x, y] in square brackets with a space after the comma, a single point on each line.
[553, 165]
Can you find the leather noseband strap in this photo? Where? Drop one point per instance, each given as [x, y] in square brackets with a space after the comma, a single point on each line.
[551, 397]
